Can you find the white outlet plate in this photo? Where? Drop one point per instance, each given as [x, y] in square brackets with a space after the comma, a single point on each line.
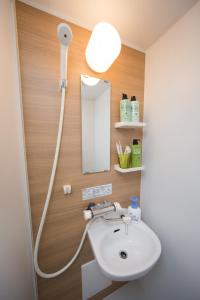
[97, 191]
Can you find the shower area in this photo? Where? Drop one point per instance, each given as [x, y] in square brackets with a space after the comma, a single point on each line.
[40, 55]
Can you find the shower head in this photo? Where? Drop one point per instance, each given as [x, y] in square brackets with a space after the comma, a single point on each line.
[64, 34]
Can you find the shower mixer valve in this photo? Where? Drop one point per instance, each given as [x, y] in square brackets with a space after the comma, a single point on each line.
[100, 209]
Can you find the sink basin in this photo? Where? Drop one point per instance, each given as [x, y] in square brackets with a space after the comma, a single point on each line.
[122, 256]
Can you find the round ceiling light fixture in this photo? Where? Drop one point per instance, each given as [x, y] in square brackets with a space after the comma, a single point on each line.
[103, 47]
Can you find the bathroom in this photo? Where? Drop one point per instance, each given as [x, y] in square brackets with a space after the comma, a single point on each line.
[44, 83]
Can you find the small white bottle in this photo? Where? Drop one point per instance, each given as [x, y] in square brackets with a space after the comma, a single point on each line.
[134, 211]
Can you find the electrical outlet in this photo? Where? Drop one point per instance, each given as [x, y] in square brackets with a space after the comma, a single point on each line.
[97, 191]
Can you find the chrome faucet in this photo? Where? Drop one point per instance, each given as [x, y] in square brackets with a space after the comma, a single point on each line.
[100, 209]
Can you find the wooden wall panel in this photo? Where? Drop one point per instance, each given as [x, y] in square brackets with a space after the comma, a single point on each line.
[39, 52]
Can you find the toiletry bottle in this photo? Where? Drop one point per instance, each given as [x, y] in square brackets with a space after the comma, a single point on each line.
[134, 114]
[125, 109]
[136, 154]
[134, 211]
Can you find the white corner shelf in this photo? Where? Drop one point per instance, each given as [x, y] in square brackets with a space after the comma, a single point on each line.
[130, 125]
[129, 170]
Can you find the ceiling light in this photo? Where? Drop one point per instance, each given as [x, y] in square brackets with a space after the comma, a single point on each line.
[103, 47]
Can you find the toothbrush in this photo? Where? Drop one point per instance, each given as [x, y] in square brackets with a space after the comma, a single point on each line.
[127, 150]
[120, 148]
[117, 147]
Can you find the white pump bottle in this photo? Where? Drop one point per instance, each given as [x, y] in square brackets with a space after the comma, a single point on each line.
[134, 211]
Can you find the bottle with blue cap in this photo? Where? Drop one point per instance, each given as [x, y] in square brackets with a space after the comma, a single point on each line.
[134, 211]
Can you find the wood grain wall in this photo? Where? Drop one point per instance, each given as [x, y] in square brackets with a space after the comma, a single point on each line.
[39, 52]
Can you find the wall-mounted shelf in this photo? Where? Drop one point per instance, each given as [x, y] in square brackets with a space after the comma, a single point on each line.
[129, 170]
[130, 125]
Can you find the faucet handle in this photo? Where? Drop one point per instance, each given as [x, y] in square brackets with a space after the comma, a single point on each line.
[91, 205]
[126, 219]
[87, 214]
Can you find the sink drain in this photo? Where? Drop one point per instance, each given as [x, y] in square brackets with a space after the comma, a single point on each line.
[123, 254]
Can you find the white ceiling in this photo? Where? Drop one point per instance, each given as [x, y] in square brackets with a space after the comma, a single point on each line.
[139, 22]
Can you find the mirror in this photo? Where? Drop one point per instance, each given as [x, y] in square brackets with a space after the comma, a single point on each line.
[95, 109]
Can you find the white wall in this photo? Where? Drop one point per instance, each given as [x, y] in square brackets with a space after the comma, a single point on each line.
[16, 268]
[171, 183]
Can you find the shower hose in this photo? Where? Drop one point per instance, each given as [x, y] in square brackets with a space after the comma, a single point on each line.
[48, 197]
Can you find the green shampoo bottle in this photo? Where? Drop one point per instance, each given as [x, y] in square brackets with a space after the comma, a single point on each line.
[134, 116]
[136, 154]
[125, 108]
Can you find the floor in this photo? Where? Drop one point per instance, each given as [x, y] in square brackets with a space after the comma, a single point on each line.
[132, 290]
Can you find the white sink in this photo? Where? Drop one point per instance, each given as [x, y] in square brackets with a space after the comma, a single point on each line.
[121, 256]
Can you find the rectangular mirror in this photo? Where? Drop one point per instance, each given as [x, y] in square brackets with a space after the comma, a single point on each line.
[95, 109]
